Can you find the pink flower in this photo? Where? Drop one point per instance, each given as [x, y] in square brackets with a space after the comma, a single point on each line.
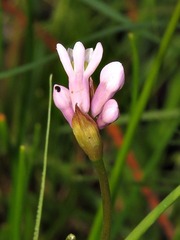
[79, 64]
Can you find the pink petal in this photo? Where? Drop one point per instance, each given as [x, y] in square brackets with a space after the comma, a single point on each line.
[78, 85]
[62, 101]
[79, 58]
[65, 59]
[111, 80]
[94, 60]
[79, 93]
[109, 114]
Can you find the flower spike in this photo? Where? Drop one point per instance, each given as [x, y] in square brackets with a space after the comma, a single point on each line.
[88, 110]
[81, 97]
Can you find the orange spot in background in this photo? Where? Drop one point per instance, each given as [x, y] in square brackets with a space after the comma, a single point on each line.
[44, 35]
[2, 117]
[49, 41]
[14, 10]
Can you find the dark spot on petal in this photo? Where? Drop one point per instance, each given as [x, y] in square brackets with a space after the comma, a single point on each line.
[72, 92]
[58, 89]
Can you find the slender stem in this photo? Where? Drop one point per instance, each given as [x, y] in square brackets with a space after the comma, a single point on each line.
[18, 191]
[149, 116]
[106, 199]
[153, 215]
[26, 67]
[41, 196]
[135, 70]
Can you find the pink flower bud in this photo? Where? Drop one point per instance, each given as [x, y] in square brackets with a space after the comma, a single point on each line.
[62, 101]
[109, 114]
[111, 80]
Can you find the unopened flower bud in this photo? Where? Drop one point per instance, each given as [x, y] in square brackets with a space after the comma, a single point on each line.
[87, 134]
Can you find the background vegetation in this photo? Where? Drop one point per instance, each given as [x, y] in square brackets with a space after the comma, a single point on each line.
[131, 32]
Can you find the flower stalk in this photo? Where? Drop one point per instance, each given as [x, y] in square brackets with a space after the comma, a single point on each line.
[106, 198]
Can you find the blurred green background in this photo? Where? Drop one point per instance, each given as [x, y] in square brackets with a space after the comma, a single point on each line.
[130, 32]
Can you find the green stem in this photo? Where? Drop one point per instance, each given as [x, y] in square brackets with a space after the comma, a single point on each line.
[106, 199]
[135, 70]
[17, 197]
[41, 196]
[149, 116]
[26, 67]
[153, 215]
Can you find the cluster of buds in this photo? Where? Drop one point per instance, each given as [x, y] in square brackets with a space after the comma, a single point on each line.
[87, 110]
